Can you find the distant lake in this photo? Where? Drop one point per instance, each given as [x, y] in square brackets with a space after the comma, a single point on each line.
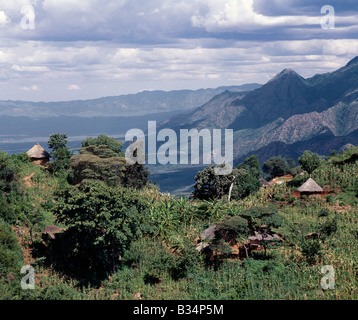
[171, 179]
[19, 134]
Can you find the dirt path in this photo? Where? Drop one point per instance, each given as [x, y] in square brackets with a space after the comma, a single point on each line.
[28, 180]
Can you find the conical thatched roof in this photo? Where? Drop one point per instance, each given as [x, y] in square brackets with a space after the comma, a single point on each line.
[265, 183]
[38, 152]
[310, 186]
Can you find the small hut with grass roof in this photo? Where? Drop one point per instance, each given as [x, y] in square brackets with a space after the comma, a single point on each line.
[265, 184]
[310, 187]
[38, 155]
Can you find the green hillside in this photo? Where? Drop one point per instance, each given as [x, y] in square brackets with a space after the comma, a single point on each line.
[117, 237]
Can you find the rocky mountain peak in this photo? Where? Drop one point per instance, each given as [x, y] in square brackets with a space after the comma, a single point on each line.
[354, 61]
[286, 74]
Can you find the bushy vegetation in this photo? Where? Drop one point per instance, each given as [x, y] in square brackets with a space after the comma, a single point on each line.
[10, 251]
[243, 180]
[101, 223]
[121, 241]
[102, 159]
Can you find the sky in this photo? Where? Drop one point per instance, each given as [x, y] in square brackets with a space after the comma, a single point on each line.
[55, 50]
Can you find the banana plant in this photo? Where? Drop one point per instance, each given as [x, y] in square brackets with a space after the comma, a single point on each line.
[166, 218]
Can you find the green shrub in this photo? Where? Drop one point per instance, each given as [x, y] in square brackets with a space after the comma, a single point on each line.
[151, 257]
[330, 199]
[329, 227]
[347, 199]
[297, 181]
[311, 249]
[231, 228]
[61, 291]
[323, 213]
[11, 258]
[102, 222]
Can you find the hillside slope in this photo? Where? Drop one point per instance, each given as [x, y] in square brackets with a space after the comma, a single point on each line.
[146, 102]
[287, 110]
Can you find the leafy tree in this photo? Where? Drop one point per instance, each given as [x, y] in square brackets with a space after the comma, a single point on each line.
[11, 258]
[165, 219]
[102, 159]
[231, 228]
[99, 151]
[252, 165]
[102, 146]
[291, 163]
[113, 171]
[309, 161]
[211, 186]
[14, 204]
[276, 167]
[136, 176]
[237, 185]
[90, 167]
[61, 154]
[8, 179]
[238, 228]
[245, 184]
[102, 223]
[259, 216]
[58, 141]
[334, 153]
[228, 232]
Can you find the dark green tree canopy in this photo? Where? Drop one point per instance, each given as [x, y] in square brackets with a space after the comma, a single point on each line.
[276, 167]
[102, 223]
[102, 146]
[211, 186]
[113, 171]
[243, 180]
[252, 166]
[58, 141]
[309, 161]
[61, 154]
[8, 179]
[11, 257]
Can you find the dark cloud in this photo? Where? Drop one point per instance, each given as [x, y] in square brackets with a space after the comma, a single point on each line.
[304, 7]
[168, 21]
[109, 47]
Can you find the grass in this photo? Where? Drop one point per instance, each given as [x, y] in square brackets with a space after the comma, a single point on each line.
[291, 272]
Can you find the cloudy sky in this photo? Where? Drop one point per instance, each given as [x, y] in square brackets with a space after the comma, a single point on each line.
[82, 49]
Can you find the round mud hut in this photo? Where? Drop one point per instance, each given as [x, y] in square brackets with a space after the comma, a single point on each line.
[310, 188]
[38, 155]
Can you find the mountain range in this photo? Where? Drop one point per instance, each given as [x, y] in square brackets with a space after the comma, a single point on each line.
[286, 116]
[139, 104]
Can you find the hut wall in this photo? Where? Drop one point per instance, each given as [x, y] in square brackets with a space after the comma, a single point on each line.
[40, 162]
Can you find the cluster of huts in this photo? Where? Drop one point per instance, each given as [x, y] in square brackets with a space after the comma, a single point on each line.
[309, 188]
[39, 156]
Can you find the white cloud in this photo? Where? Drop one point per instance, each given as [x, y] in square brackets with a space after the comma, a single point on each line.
[116, 46]
[236, 15]
[71, 5]
[15, 67]
[4, 19]
[16, 5]
[31, 88]
[73, 87]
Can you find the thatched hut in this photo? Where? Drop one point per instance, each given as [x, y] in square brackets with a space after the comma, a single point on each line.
[265, 184]
[38, 155]
[51, 231]
[310, 187]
